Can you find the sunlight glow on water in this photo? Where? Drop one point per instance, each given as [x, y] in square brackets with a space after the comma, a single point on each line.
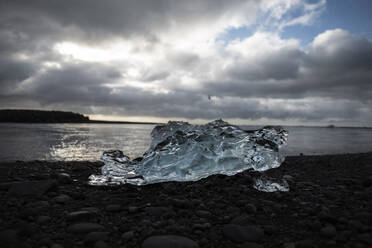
[70, 142]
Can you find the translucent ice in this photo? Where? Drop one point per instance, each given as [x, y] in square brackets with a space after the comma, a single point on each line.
[183, 152]
[270, 185]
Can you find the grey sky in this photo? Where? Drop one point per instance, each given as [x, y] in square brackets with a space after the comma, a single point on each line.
[160, 60]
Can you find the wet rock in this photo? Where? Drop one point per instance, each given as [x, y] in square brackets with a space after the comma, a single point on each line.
[271, 229]
[250, 245]
[169, 241]
[32, 188]
[242, 220]
[307, 243]
[344, 236]
[80, 216]
[133, 209]
[241, 234]
[354, 224]
[64, 178]
[328, 231]
[128, 235]
[202, 226]
[365, 238]
[8, 238]
[157, 211]
[45, 241]
[56, 246]
[251, 209]
[62, 199]
[90, 209]
[367, 182]
[5, 186]
[101, 244]
[314, 225]
[86, 227]
[289, 245]
[113, 208]
[30, 212]
[180, 203]
[96, 236]
[43, 219]
[203, 213]
[26, 229]
[364, 217]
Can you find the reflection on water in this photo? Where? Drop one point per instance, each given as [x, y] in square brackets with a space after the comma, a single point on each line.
[87, 141]
[70, 141]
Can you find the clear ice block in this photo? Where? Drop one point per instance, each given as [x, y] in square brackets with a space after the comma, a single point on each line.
[180, 151]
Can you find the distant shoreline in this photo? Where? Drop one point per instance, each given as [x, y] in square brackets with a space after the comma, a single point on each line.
[27, 116]
[89, 122]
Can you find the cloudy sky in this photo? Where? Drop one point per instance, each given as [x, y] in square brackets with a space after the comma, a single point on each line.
[248, 61]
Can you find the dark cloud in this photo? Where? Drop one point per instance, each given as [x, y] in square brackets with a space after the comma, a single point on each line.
[278, 65]
[13, 72]
[339, 68]
[329, 79]
[95, 20]
[73, 83]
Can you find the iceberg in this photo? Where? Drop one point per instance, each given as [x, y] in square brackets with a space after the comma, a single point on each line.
[180, 151]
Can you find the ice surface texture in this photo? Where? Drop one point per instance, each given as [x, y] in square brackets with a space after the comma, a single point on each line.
[183, 152]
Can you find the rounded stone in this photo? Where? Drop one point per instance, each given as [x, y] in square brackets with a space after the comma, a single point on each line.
[241, 234]
[96, 236]
[328, 231]
[80, 215]
[101, 244]
[81, 228]
[127, 235]
[62, 199]
[169, 241]
[113, 208]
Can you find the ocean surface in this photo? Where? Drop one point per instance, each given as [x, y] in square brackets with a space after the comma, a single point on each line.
[69, 142]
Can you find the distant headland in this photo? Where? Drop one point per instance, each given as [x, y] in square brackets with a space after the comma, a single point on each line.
[45, 116]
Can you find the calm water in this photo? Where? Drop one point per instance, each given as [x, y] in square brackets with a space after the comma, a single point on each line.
[88, 141]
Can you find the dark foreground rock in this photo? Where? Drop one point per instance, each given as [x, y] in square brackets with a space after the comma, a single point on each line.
[169, 241]
[49, 204]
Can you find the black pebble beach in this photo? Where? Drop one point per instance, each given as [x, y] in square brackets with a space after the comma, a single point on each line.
[50, 204]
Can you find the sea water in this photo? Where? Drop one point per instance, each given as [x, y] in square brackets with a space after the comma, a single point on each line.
[68, 142]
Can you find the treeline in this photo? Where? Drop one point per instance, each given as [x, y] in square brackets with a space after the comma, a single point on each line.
[40, 116]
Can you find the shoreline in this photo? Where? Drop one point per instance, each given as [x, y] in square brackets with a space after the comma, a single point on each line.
[301, 155]
[329, 204]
